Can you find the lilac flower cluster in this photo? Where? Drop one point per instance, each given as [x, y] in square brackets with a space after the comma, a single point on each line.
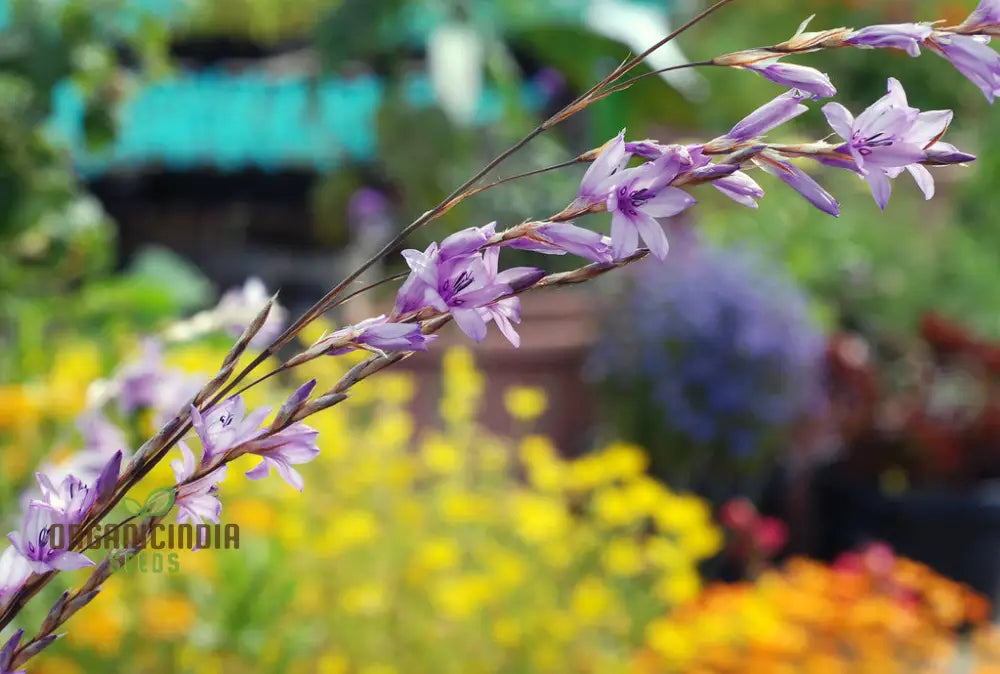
[966, 46]
[461, 276]
[725, 353]
[226, 430]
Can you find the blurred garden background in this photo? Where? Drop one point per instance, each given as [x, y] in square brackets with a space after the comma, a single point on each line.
[779, 451]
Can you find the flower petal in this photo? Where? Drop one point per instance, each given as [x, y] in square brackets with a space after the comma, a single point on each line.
[653, 235]
[840, 119]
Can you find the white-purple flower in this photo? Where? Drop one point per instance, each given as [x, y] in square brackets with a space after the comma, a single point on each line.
[799, 181]
[380, 334]
[741, 188]
[795, 76]
[291, 446]
[507, 311]
[776, 112]
[138, 382]
[466, 242]
[459, 285]
[239, 306]
[559, 238]
[984, 19]
[100, 436]
[44, 541]
[905, 36]
[888, 137]
[640, 195]
[146, 384]
[226, 425]
[972, 56]
[198, 501]
[612, 159]
[71, 498]
[14, 570]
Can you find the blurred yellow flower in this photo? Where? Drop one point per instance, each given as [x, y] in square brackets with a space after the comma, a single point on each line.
[19, 408]
[613, 507]
[701, 542]
[460, 506]
[169, 616]
[591, 599]
[670, 641]
[546, 471]
[252, 514]
[440, 456]
[395, 388]
[437, 554]
[14, 461]
[624, 460]
[393, 429]
[507, 568]
[682, 513]
[379, 668]
[622, 557]
[55, 664]
[332, 663]
[459, 597]
[678, 586]
[539, 518]
[349, 529]
[102, 626]
[525, 403]
[367, 598]
[507, 632]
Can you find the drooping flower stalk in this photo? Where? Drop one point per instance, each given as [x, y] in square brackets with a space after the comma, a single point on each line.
[460, 279]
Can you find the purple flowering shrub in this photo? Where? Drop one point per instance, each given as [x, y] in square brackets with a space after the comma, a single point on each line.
[710, 360]
[463, 279]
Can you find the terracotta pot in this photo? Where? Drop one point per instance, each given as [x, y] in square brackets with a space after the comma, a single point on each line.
[557, 330]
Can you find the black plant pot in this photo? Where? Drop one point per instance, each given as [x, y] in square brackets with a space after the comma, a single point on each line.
[955, 532]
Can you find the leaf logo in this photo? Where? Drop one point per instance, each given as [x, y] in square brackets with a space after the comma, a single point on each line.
[158, 503]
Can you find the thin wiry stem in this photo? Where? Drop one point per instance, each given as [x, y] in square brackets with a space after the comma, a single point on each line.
[572, 108]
